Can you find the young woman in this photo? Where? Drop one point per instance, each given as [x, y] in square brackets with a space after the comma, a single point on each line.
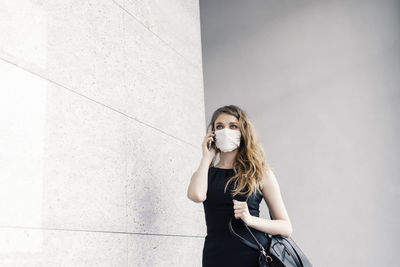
[233, 188]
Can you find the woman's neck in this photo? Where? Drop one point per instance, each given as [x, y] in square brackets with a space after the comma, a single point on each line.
[226, 159]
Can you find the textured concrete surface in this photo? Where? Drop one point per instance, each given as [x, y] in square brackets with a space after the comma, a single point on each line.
[102, 120]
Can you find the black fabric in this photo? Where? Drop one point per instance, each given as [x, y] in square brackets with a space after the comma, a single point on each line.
[220, 247]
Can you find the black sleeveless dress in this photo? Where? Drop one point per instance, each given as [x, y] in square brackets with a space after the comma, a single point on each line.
[221, 248]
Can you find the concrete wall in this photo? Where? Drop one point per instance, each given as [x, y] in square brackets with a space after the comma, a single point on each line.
[102, 117]
[321, 80]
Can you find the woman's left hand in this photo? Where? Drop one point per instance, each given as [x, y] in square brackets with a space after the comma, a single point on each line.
[241, 210]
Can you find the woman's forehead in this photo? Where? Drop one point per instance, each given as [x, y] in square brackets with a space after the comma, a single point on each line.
[226, 118]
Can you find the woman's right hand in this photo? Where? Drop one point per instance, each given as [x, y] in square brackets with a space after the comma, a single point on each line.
[209, 154]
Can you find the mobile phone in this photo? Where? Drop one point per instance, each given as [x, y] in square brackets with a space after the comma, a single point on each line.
[211, 143]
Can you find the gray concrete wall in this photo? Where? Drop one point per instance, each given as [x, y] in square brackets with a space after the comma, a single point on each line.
[102, 118]
[321, 80]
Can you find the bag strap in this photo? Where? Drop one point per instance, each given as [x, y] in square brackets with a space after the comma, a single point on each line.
[292, 246]
[250, 244]
[260, 247]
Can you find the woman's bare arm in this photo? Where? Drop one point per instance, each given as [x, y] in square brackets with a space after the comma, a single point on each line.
[197, 189]
[281, 222]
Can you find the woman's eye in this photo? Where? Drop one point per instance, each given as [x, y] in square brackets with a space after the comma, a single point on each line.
[220, 126]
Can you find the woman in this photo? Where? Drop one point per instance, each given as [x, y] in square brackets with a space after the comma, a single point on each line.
[233, 188]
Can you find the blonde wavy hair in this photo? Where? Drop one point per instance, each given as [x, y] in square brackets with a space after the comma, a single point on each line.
[250, 164]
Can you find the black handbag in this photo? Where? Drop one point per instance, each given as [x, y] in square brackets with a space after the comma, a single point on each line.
[280, 251]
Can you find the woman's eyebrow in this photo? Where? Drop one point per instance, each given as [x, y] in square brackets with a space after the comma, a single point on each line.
[223, 123]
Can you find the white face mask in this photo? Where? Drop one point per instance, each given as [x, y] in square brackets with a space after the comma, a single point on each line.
[227, 139]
